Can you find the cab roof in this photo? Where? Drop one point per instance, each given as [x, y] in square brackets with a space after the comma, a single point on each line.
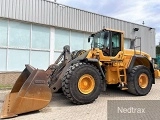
[113, 30]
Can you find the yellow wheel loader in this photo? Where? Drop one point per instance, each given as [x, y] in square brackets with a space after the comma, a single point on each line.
[82, 75]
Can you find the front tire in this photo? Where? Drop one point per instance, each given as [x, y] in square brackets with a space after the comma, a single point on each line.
[140, 80]
[82, 83]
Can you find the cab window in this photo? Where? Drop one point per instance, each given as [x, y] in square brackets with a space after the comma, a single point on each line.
[116, 43]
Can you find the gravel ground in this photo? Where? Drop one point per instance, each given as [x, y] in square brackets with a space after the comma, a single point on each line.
[60, 108]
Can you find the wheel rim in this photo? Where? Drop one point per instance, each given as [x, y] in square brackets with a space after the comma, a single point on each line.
[143, 80]
[86, 84]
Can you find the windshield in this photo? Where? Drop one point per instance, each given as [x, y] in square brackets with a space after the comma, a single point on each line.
[100, 40]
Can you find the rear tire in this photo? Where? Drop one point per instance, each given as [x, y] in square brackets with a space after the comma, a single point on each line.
[139, 80]
[82, 83]
[77, 53]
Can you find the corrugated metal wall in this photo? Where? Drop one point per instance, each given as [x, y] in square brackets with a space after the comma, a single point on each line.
[50, 13]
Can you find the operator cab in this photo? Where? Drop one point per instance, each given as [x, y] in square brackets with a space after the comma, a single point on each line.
[108, 41]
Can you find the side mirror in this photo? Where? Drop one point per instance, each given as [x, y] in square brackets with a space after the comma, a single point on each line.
[88, 39]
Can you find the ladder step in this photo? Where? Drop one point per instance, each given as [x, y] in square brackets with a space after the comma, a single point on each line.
[121, 72]
[122, 75]
[125, 88]
[137, 46]
[121, 68]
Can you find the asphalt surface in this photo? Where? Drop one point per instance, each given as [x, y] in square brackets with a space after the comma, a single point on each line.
[60, 108]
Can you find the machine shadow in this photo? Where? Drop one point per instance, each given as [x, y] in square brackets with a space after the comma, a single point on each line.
[59, 99]
[114, 91]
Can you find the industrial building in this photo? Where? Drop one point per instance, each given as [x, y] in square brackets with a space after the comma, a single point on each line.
[35, 31]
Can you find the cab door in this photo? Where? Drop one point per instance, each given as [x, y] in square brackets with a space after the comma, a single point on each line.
[114, 43]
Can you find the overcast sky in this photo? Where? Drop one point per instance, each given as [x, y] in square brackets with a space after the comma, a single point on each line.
[135, 11]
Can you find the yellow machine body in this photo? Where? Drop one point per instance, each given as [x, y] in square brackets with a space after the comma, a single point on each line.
[115, 65]
[120, 62]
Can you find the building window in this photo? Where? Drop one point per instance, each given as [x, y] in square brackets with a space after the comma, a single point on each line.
[40, 59]
[19, 35]
[3, 63]
[127, 43]
[62, 38]
[3, 32]
[40, 37]
[23, 43]
[77, 40]
[17, 59]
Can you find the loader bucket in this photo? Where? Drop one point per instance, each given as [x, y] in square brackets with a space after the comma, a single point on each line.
[29, 93]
